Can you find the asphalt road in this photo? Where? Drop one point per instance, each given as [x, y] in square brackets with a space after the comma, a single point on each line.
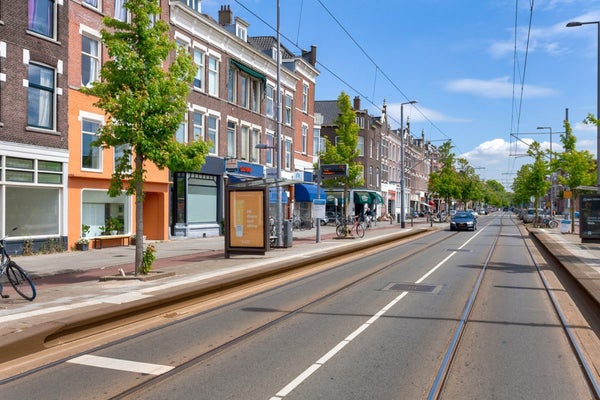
[375, 327]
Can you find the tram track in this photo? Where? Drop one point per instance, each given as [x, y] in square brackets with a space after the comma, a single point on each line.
[437, 388]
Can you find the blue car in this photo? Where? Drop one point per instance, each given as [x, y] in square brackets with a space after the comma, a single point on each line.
[463, 220]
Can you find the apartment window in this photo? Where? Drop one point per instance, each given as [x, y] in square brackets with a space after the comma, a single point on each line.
[213, 134]
[120, 10]
[360, 121]
[40, 101]
[361, 146]
[92, 3]
[305, 98]
[231, 139]
[288, 155]
[232, 85]
[269, 151]
[254, 152]
[304, 139]
[90, 60]
[256, 95]
[270, 103]
[193, 4]
[41, 17]
[377, 177]
[199, 61]
[198, 126]
[90, 154]
[245, 142]
[241, 32]
[181, 133]
[245, 88]
[370, 175]
[123, 155]
[213, 76]
[288, 110]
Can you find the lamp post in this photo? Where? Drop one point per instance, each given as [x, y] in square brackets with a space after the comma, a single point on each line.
[402, 188]
[573, 24]
[551, 176]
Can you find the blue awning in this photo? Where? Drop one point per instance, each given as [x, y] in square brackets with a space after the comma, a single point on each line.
[273, 196]
[307, 192]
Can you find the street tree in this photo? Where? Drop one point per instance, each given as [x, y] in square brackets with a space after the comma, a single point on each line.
[345, 150]
[469, 185]
[575, 168]
[144, 103]
[444, 182]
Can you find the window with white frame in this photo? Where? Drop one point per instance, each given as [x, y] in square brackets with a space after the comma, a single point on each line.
[42, 17]
[288, 110]
[90, 60]
[91, 156]
[181, 133]
[213, 133]
[123, 156]
[33, 171]
[199, 61]
[304, 139]
[244, 142]
[213, 76]
[232, 85]
[92, 3]
[231, 139]
[360, 146]
[305, 97]
[269, 152]
[41, 97]
[245, 91]
[97, 206]
[120, 10]
[241, 32]
[193, 4]
[316, 141]
[288, 154]
[256, 94]
[270, 112]
[370, 175]
[254, 152]
[198, 125]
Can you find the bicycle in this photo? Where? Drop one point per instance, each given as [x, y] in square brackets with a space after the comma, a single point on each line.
[343, 231]
[550, 222]
[18, 278]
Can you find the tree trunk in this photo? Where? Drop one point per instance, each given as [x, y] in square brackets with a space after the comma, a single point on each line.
[139, 212]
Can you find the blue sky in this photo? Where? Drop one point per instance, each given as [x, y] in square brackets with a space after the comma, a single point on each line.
[458, 60]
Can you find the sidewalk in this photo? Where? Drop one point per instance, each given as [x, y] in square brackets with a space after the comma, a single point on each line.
[71, 296]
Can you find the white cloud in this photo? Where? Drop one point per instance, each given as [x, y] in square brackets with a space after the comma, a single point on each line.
[500, 88]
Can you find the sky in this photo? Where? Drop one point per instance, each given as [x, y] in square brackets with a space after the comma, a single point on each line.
[486, 73]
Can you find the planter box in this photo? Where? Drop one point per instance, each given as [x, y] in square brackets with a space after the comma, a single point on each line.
[82, 246]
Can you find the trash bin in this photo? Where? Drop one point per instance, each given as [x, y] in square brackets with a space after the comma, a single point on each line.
[565, 226]
[288, 237]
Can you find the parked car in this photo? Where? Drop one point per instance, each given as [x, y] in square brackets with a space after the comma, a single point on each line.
[463, 220]
[529, 216]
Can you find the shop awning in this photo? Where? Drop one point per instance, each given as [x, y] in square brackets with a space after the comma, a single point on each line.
[362, 197]
[306, 192]
[425, 204]
[250, 71]
[273, 196]
[332, 199]
[376, 197]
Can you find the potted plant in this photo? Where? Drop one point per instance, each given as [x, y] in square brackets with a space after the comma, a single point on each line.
[85, 229]
[113, 225]
[82, 244]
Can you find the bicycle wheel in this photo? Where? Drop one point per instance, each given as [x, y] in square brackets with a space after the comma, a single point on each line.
[20, 281]
[341, 231]
[360, 230]
[552, 223]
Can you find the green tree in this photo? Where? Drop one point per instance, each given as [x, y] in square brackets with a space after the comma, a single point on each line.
[345, 150]
[575, 168]
[444, 182]
[144, 102]
[469, 185]
[494, 193]
[538, 183]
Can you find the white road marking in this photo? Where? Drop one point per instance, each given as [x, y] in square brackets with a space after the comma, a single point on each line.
[121, 365]
[337, 348]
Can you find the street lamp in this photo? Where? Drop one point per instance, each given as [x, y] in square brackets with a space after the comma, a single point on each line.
[570, 25]
[402, 189]
[551, 176]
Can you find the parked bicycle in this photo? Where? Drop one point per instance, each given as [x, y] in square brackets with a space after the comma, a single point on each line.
[550, 222]
[18, 278]
[344, 229]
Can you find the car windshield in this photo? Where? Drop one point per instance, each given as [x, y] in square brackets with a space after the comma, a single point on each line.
[462, 215]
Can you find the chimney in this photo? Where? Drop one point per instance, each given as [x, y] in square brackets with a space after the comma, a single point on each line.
[225, 16]
[356, 103]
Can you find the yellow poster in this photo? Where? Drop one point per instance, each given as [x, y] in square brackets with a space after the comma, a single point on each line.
[246, 216]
